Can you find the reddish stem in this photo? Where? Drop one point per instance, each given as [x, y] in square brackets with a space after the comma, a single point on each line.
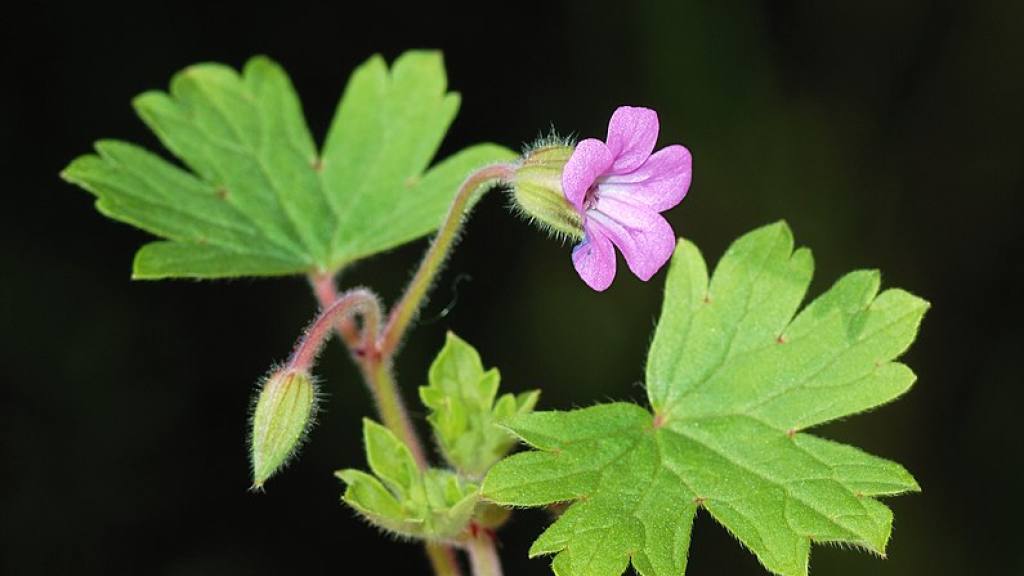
[356, 301]
[375, 368]
[326, 293]
[483, 552]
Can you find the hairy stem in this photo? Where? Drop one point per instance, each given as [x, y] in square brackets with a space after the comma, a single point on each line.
[405, 310]
[376, 369]
[380, 380]
[326, 293]
[442, 559]
[373, 353]
[391, 407]
[483, 554]
[356, 301]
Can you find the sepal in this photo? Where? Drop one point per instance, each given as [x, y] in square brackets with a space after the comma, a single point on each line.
[282, 416]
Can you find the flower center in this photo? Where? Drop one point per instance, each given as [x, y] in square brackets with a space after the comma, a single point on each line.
[591, 198]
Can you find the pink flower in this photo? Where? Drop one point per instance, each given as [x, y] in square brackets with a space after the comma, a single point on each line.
[620, 189]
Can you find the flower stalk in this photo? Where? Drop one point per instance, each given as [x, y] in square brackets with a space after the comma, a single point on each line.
[326, 293]
[405, 310]
[358, 301]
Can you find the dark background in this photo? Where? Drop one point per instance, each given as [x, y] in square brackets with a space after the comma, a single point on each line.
[888, 135]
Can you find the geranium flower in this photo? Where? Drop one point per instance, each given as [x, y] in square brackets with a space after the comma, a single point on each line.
[620, 188]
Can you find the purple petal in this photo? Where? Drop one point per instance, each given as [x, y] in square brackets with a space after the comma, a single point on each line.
[589, 160]
[644, 237]
[632, 133]
[659, 184]
[594, 259]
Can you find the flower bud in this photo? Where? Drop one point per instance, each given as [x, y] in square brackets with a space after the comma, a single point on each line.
[283, 413]
[537, 191]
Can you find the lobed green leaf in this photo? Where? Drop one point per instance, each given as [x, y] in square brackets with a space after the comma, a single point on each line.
[733, 379]
[257, 198]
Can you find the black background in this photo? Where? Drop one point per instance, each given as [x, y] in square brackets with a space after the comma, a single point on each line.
[888, 134]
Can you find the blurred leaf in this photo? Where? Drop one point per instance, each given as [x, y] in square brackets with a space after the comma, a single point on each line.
[259, 199]
[732, 379]
[463, 411]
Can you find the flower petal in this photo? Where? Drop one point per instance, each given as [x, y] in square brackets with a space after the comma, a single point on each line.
[632, 133]
[589, 160]
[644, 237]
[659, 184]
[594, 259]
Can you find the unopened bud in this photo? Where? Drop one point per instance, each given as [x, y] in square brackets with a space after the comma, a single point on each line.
[283, 413]
[537, 190]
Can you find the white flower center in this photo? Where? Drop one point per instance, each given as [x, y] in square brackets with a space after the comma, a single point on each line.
[591, 197]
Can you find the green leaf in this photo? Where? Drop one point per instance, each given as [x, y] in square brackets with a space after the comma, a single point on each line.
[257, 199]
[463, 412]
[398, 497]
[733, 380]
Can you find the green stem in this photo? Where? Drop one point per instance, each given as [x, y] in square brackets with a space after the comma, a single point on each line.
[380, 380]
[378, 374]
[405, 310]
[374, 356]
[483, 555]
[442, 559]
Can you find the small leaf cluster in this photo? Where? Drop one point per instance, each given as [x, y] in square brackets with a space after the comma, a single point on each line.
[466, 413]
[465, 410]
[401, 498]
